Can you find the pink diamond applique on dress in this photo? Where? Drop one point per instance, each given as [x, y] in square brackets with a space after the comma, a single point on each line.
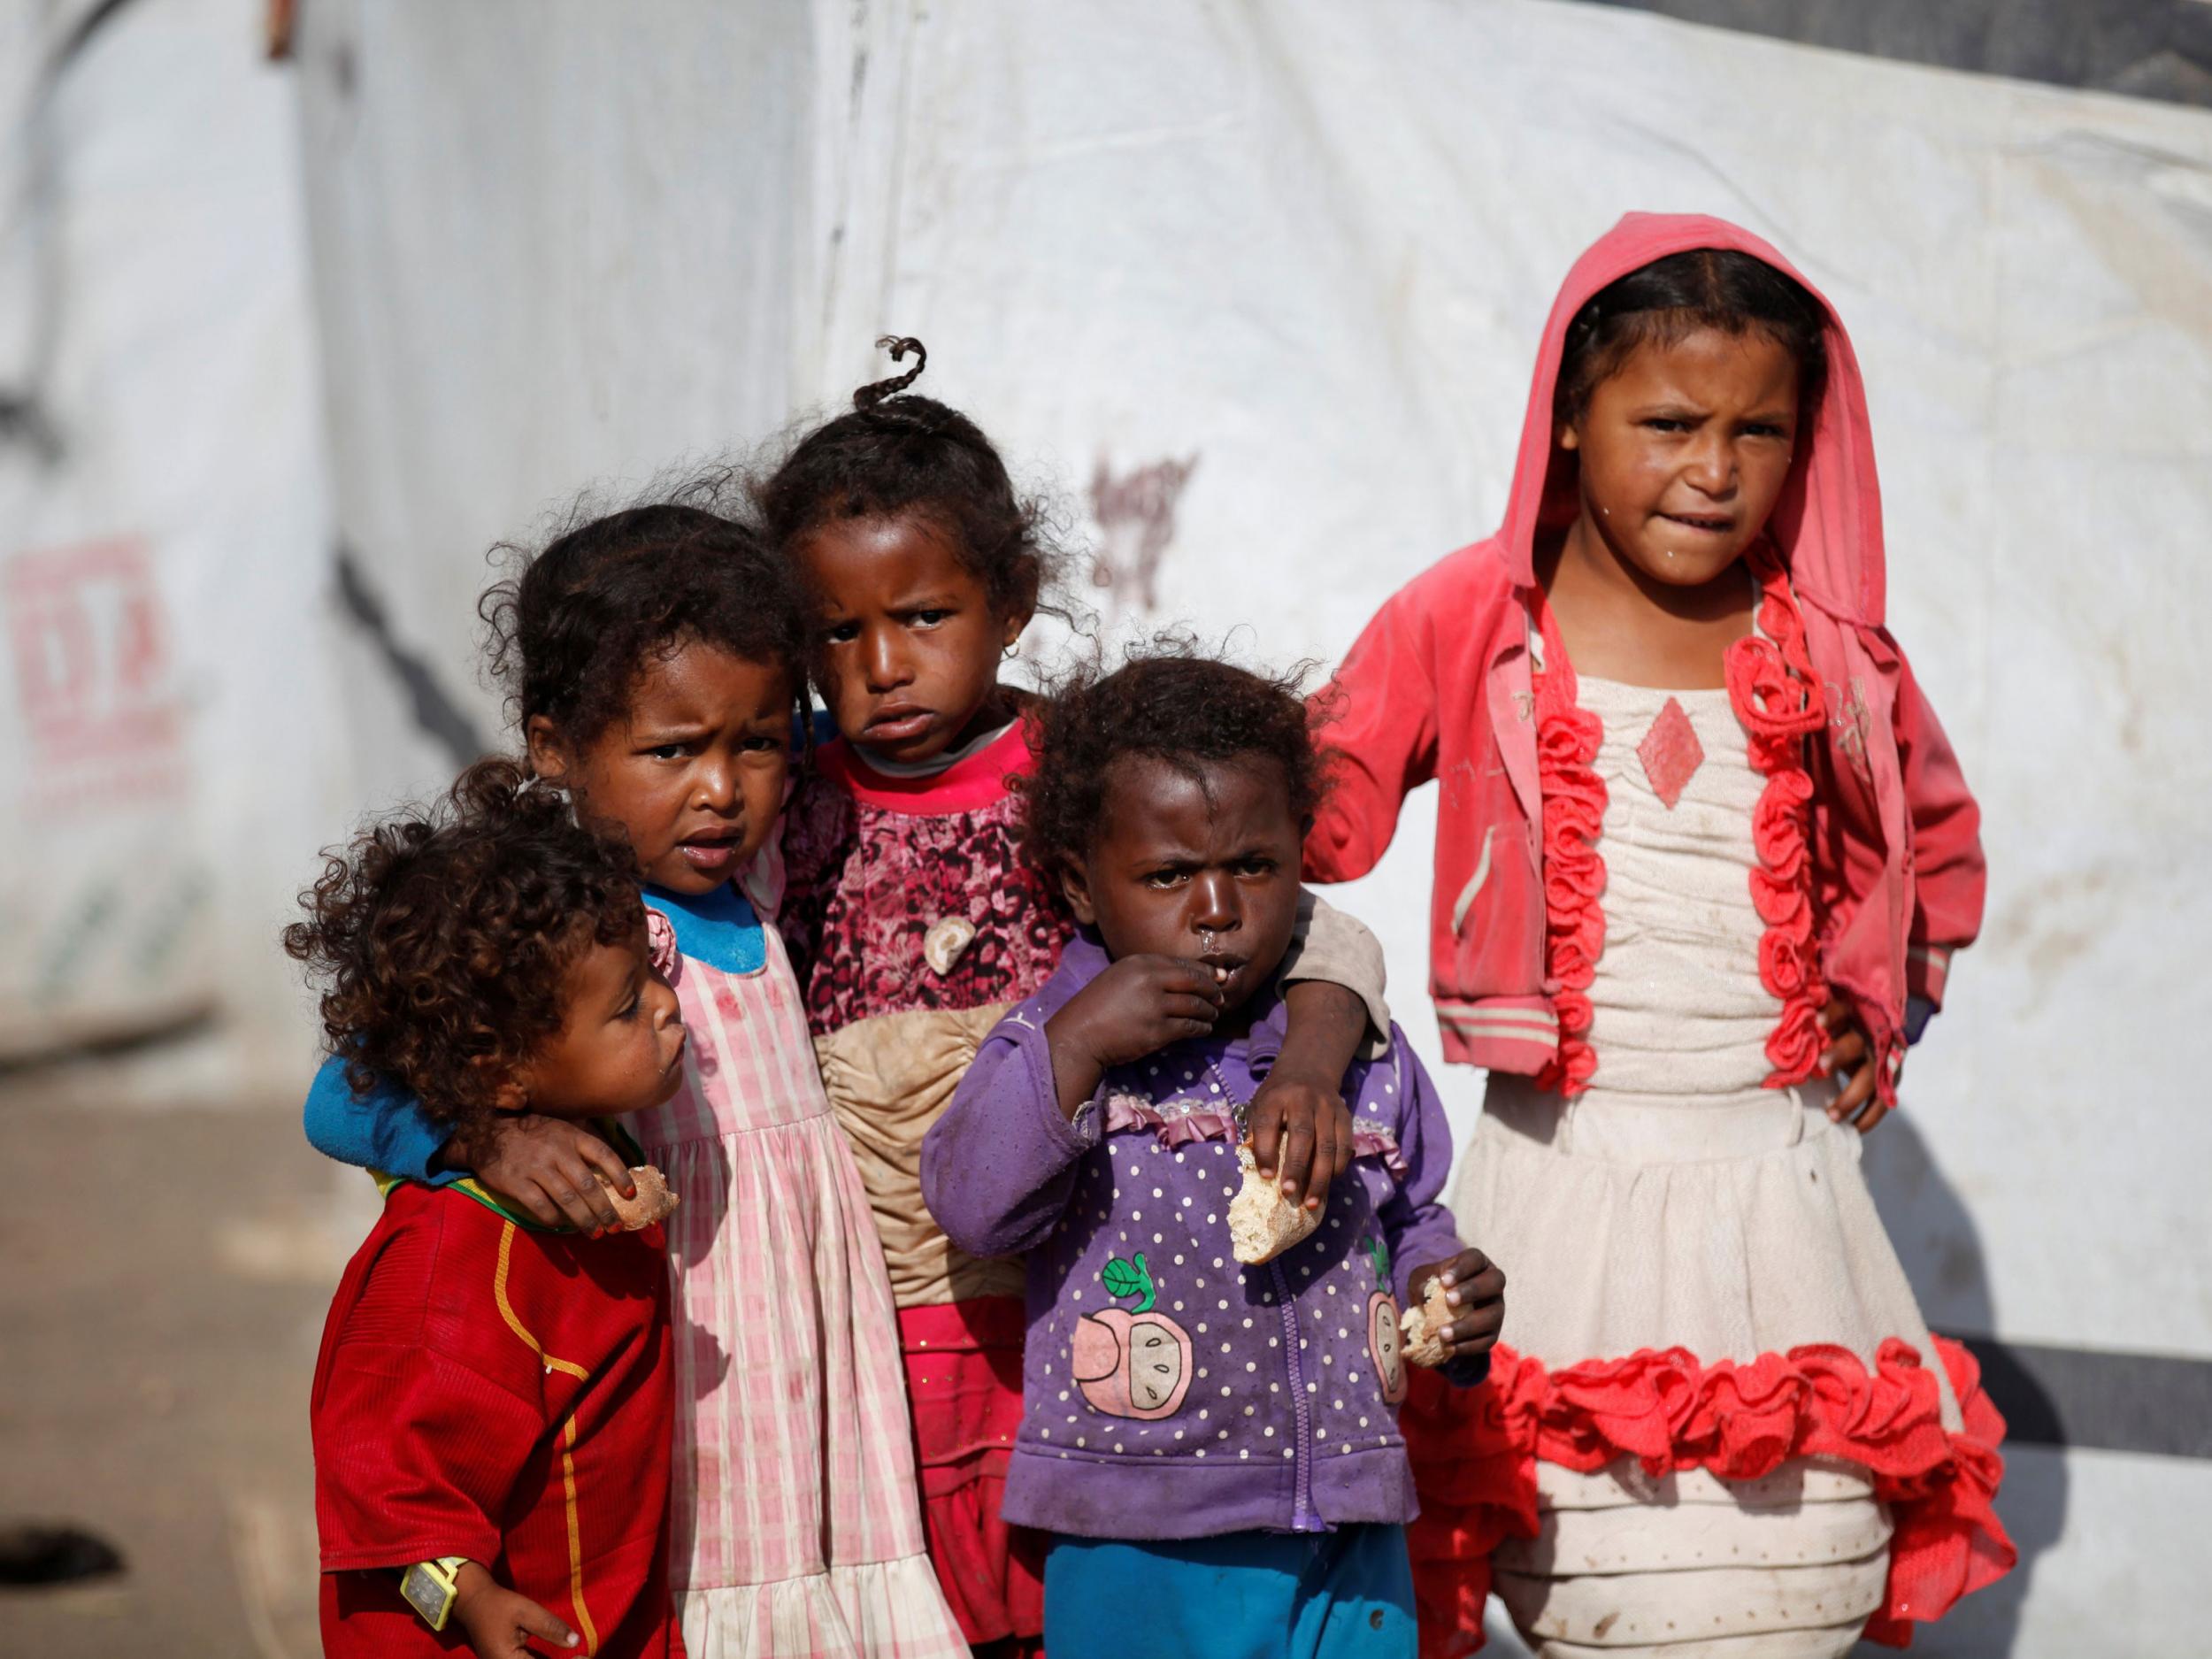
[1671, 753]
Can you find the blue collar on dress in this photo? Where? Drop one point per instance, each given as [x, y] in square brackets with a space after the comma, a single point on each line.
[717, 928]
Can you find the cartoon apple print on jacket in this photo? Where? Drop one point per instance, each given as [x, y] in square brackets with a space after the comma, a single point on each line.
[1385, 1343]
[1130, 1362]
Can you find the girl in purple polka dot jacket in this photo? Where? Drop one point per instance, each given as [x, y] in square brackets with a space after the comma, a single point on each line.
[1173, 1395]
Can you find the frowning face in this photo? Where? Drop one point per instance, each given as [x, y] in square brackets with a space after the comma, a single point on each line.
[692, 772]
[911, 642]
[1199, 864]
[1683, 452]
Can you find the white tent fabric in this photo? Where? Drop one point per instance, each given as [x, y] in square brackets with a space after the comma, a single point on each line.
[1303, 252]
[1256, 289]
[165, 709]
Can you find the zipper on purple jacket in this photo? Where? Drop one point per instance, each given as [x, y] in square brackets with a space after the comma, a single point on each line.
[1303, 1519]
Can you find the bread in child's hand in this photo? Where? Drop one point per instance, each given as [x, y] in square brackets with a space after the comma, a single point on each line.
[1424, 1326]
[1263, 1224]
[654, 1202]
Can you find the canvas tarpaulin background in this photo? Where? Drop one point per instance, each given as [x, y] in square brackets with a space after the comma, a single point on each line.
[167, 726]
[1254, 290]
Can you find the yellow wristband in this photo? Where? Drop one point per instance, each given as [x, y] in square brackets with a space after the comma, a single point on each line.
[431, 1587]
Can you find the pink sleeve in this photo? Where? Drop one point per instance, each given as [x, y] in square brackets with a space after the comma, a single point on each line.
[1948, 873]
[1380, 730]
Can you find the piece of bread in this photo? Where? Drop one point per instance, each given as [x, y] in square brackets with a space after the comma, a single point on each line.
[1263, 1224]
[1424, 1326]
[654, 1202]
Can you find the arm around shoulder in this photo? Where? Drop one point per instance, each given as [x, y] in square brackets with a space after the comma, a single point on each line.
[999, 1166]
[384, 1128]
[1340, 950]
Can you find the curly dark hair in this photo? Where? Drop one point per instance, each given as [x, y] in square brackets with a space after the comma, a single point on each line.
[1168, 702]
[1703, 288]
[895, 452]
[441, 941]
[572, 631]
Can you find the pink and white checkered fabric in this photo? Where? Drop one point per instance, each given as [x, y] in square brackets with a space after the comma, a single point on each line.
[793, 1454]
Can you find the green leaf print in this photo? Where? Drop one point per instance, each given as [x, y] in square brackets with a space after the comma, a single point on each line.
[1123, 1279]
[1379, 1253]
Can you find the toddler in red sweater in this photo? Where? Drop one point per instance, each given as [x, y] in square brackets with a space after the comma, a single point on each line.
[492, 1404]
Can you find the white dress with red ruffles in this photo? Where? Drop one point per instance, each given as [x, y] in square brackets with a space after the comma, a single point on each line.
[1716, 1414]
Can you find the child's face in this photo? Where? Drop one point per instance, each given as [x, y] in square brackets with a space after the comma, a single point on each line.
[693, 772]
[911, 642]
[1208, 873]
[620, 1048]
[1684, 449]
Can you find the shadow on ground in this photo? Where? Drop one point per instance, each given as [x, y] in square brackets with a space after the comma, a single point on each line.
[168, 1273]
[1940, 1247]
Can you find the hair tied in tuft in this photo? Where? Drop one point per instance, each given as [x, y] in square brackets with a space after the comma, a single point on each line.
[898, 345]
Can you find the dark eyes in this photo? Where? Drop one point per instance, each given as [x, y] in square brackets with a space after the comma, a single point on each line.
[1676, 424]
[846, 632]
[753, 744]
[1172, 876]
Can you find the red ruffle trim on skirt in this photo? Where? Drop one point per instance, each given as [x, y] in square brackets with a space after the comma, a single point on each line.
[1474, 1453]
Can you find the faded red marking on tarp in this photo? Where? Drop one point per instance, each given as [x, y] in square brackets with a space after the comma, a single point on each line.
[94, 676]
[1137, 514]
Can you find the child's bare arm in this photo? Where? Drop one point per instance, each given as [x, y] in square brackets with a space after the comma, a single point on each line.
[1302, 1130]
[1334, 1012]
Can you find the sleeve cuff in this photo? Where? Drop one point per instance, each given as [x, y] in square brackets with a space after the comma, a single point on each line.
[1069, 1139]
[1927, 969]
[1468, 1373]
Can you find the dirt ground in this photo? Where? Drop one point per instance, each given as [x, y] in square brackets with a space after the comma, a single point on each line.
[167, 1276]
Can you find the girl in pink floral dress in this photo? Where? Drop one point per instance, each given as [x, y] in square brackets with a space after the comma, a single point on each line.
[916, 921]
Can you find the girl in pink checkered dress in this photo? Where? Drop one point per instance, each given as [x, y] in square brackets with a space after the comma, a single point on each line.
[656, 658]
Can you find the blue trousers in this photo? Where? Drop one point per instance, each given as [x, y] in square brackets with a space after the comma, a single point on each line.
[1346, 1594]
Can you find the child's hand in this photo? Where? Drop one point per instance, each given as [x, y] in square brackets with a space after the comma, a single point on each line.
[1137, 1007]
[1298, 1112]
[1847, 1049]
[1475, 1288]
[1307, 1122]
[545, 1167]
[497, 1620]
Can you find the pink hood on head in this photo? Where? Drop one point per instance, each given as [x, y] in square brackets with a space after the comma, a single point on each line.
[1828, 523]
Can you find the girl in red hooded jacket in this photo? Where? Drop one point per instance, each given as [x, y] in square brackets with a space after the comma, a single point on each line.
[1702, 856]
